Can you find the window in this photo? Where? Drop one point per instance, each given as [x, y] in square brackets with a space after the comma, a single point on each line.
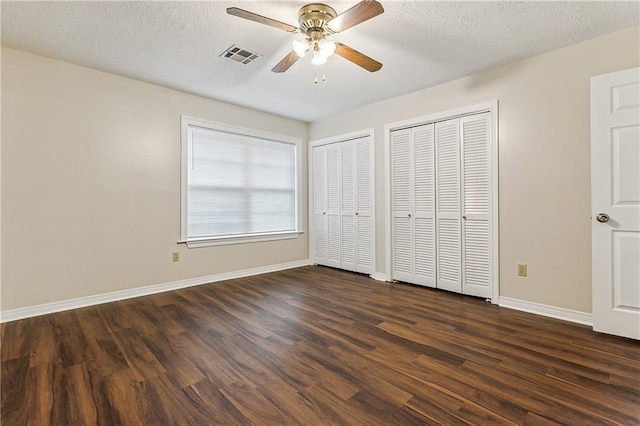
[238, 185]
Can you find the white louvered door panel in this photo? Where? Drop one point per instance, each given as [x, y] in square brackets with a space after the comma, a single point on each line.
[320, 205]
[402, 205]
[477, 258]
[348, 243]
[333, 205]
[424, 205]
[448, 232]
[348, 205]
[476, 254]
[364, 205]
[402, 256]
[364, 250]
[320, 239]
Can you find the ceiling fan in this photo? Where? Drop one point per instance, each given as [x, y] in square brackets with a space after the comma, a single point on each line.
[317, 22]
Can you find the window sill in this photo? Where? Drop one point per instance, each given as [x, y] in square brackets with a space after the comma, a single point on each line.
[224, 241]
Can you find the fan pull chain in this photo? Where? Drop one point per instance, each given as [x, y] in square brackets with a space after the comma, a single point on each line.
[315, 80]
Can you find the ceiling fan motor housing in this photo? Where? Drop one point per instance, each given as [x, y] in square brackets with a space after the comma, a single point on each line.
[314, 19]
[315, 16]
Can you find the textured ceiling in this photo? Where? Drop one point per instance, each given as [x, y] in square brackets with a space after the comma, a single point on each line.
[420, 43]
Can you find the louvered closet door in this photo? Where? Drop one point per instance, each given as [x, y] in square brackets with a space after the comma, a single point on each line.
[448, 232]
[348, 205]
[321, 229]
[333, 205]
[364, 205]
[402, 205]
[343, 205]
[424, 206]
[476, 255]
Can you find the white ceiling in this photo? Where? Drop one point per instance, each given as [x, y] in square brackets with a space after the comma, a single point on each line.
[420, 43]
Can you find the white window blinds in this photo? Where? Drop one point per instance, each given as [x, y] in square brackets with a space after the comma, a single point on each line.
[238, 185]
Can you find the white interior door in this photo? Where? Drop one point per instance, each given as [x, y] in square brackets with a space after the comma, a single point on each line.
[615, 199]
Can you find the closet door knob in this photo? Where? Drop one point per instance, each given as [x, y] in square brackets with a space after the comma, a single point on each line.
[356, 213]
[603, 218]
[464, 216]
[409, 215]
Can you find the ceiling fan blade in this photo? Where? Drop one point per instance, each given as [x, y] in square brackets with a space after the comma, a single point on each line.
[359, 13]
[241, 13]
[357, 58]
[286, 62]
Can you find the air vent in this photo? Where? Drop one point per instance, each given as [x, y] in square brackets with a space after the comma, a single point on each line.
[239, 55]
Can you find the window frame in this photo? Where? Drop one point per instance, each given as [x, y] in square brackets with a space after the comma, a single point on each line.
[185, 123]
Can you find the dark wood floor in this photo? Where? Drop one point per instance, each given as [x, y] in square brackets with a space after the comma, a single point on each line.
[313, 346]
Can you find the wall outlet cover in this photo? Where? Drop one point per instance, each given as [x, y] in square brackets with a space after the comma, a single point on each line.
[522, 270]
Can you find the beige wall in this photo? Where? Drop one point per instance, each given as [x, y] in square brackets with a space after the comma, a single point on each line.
[91, 183]
[544, 160]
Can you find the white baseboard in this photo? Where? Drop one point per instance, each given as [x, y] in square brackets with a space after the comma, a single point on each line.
[547, 311]
[81, 302]
[379, 276]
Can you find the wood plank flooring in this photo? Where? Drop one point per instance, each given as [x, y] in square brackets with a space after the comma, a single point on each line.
[313, 346]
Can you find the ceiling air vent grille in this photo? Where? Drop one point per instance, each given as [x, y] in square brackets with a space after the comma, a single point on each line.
[239, 55]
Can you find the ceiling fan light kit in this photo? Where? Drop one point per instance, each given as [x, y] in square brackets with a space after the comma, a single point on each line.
[300, 47]
[327, 48]
[317, 22]
[318, 59]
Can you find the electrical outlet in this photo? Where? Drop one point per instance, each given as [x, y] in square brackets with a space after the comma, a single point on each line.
[176, 256]
[522, 270]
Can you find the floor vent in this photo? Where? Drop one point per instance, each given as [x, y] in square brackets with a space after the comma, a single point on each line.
[239, 55]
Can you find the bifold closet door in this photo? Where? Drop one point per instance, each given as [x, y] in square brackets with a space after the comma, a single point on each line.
[343, 205]
[448, 229]
[334, 235]
[320, 221]
[356, 195]
[476, 205]
[402, 205]
[441, 205]
[364, 205]
[424, 206]
[348, 205]
[413, 205]
[326, 205]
